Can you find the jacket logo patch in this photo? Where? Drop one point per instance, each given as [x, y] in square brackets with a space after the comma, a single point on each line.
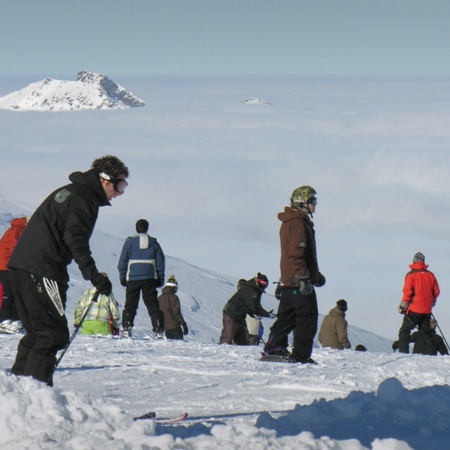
[62, 196]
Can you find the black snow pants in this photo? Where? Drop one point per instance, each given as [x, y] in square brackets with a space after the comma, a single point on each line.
[40, 304]
[297, 313]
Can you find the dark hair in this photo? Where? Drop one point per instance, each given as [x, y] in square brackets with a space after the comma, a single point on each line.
[111, 165]
[141, 226]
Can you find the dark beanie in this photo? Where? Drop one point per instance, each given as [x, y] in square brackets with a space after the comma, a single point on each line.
[360, 348]
[342, 304]
[418, 257]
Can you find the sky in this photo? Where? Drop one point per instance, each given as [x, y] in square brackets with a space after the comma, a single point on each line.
[239, 37]
[348, 401]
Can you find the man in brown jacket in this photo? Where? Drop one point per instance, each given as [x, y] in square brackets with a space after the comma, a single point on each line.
[297, 310]
[333, 331]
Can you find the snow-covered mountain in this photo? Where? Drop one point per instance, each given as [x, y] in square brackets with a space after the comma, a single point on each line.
[202, 292]
[89, 91]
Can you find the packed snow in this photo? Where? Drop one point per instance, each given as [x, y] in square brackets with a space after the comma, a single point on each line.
[350, 400]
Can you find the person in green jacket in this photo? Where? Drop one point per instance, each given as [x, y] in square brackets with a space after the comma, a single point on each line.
[103, 317]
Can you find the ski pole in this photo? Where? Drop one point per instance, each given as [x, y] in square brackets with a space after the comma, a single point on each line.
[440, 331]
[75, 331]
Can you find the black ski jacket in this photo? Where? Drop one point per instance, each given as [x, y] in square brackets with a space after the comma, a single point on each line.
[247, 300]
[60, 229]
[428, 343]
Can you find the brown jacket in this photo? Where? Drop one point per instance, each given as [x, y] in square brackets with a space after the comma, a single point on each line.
[298, 247]
[169, 304]
[333, 331]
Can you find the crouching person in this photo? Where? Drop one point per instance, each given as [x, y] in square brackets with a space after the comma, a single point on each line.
[247, 300]
[103, 316]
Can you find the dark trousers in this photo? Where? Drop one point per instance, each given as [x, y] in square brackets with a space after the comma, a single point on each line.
[234, 332]
[150, 297]
[411, 321]
[8, 309]
[46, 328]
[297, 313]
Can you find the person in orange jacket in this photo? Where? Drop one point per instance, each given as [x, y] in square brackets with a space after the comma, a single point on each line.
[9, 318]
[420, 292]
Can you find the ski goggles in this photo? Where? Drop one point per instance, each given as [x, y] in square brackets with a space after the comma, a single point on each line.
[262, 282]
[118, 184]
[312, 201]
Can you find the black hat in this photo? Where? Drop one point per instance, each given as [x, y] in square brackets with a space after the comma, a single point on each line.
[342, 304]
[360, 348]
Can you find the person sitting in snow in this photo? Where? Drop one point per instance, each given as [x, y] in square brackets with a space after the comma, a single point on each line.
[247, 300]
[426, 343]
[174, 324]
[420, 292]
[103, 316]
[333, 331]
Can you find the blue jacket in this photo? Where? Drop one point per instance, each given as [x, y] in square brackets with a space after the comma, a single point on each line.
[141, 259]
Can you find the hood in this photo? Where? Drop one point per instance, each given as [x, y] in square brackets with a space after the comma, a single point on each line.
[419, 265]
[20, 222]
[291, 213]
[336, 311]
[91, 180]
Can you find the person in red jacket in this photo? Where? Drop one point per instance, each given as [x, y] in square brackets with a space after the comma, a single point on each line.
[420, 292]
[9, 318]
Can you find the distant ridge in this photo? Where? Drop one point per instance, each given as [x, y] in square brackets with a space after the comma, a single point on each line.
[90, 91]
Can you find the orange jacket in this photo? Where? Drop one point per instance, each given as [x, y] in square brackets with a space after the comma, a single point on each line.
[9, 240]
[421, 289]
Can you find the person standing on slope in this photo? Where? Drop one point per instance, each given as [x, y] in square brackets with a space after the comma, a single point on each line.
[175, 326]
[141, 270]
[420, 292]
[58, 232]
[333, 331]
[297, 311]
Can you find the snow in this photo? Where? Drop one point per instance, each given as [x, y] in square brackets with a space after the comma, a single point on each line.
[350, 400]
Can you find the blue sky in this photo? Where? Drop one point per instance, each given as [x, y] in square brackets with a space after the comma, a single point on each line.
[209, 37]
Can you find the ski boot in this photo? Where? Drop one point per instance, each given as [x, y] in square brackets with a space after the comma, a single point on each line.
[127, 329]
[159, 333]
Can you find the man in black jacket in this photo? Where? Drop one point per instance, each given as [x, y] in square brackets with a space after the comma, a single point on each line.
[247, 300]
[59, 232]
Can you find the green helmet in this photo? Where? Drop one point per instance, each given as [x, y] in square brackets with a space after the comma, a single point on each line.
[302, 194]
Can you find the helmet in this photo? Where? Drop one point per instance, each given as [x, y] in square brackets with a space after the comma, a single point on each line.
[302, 194]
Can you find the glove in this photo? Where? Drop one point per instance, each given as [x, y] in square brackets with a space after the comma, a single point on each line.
[271, 314]
[101, 282]
[160, 282]
[395, 346]
[123, 282]
[403, 307]
[306, 286]
[321, 281]
[185, 328]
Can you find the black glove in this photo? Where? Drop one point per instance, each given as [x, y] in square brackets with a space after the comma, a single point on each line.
[321, 281]
[278, 291]
[101, 282]
[160, 282]
[123, 282]
[306, 286]
[271, 314]
[395, 345]
[185, 328]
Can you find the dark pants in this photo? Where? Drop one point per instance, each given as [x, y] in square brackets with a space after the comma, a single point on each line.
[176, 333]
[150, 297]
[410, 321]
[297, 313]
[8, 309]
[46, 328]
[234, 332]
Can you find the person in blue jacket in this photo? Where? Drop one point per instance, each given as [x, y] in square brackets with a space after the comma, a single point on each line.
[141, 269]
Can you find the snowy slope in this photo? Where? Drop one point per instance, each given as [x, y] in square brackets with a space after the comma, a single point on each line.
[90, 91]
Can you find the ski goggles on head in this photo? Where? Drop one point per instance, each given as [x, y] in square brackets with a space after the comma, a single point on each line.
[118, 184]
[262, 282]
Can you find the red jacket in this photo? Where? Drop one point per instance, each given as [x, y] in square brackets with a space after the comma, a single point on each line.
[421, 289]
[9, 240]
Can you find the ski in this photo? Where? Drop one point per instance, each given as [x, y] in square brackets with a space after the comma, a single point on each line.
[152, 416]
